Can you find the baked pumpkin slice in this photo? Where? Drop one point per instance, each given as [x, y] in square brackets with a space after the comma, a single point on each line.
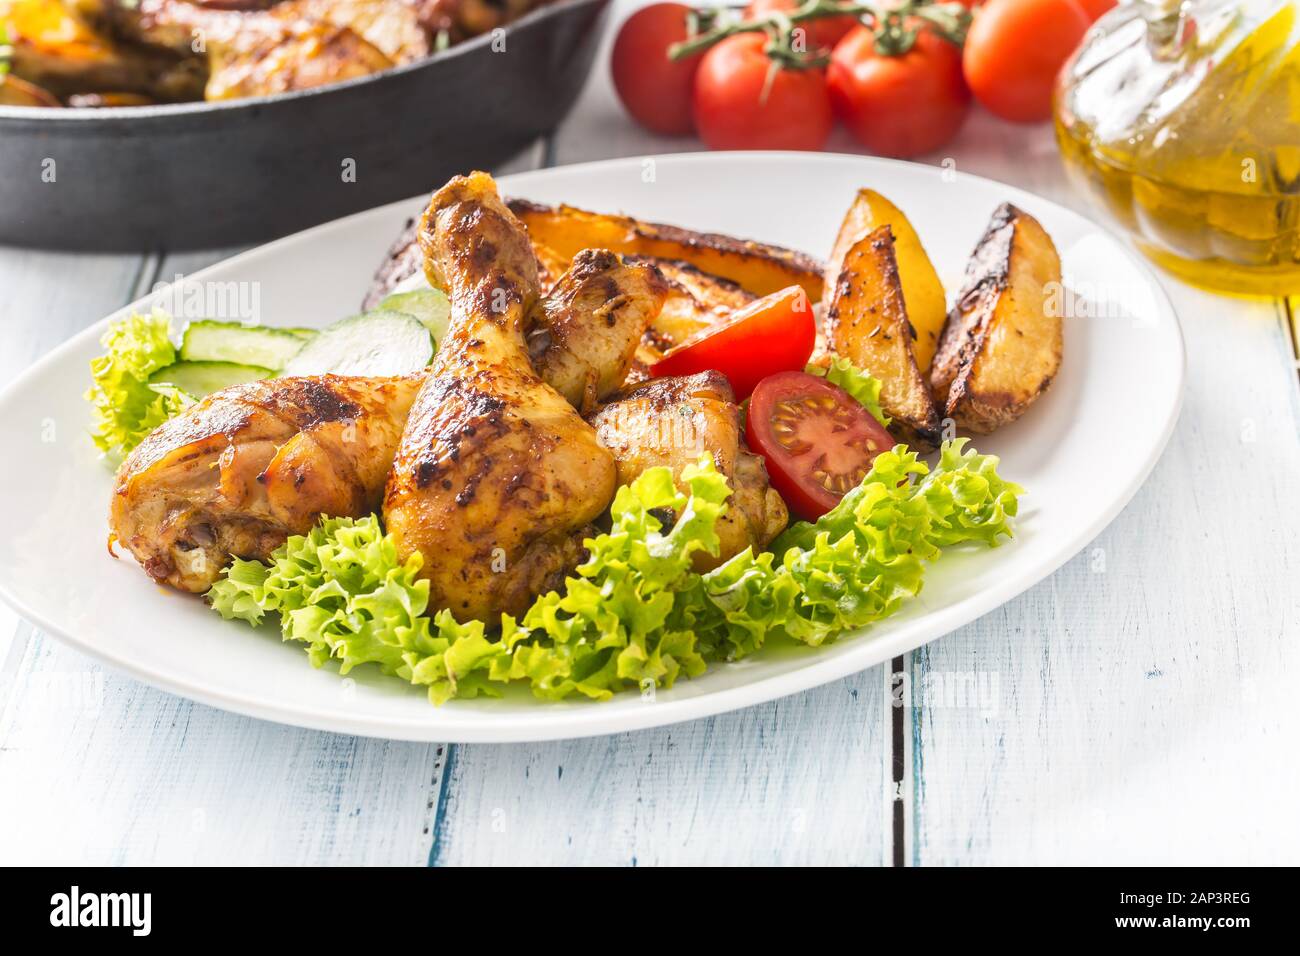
[757, 267]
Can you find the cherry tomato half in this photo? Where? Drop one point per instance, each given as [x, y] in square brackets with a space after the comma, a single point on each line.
[818, 441]
[655, 90]
[1014, 50]
[900, 105]
[774, 334]
[823, 33]
[736, 107]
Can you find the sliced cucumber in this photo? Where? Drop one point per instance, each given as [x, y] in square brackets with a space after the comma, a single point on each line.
[302, 333]
[198, 379]
[209, 341]
[381, 342]
[428, 305]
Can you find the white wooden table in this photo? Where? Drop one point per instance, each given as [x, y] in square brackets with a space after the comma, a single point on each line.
[1138, 706]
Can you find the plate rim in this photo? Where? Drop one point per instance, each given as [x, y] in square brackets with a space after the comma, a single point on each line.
[583, 720]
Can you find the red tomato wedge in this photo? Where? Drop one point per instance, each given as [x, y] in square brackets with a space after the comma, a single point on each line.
[817, 439]
[774, 334]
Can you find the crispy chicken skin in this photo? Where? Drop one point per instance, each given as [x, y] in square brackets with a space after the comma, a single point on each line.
[497, 477]
[252, 464]
[589, 325]
[671, 421]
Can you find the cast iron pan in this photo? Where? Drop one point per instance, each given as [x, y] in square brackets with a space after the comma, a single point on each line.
[196, 175]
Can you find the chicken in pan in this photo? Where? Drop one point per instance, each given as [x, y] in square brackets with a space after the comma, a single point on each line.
[129, 52]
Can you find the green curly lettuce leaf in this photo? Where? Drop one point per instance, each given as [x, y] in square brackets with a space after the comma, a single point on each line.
[863, 386]
[635, 613]
[125, 407]
[857, 563]
[620, 622]
[962, 499]
[341, 591]
[734, 608]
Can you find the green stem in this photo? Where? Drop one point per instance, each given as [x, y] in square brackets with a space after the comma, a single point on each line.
[948, 22]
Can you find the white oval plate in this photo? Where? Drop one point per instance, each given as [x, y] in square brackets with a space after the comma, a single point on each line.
[1081, 451]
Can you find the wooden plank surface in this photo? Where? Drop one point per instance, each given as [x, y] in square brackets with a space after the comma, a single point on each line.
[102, 770]
[797, 781]
[1143, 693]
[801, 780]
[1146, 708]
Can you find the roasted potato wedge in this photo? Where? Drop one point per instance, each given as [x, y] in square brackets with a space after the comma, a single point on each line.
[922, 291]
[1000, 347]
[866, 322]
[757, 268]
[700, 294]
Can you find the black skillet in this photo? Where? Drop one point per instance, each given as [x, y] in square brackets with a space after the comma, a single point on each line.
[197, 175]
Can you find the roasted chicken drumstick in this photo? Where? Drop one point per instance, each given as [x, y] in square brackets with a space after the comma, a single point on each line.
[497, 477]
[252, 464]
[671, 421]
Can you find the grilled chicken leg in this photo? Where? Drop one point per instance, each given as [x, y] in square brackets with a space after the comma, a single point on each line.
[497, 477]
[670, 421]
[251, 465]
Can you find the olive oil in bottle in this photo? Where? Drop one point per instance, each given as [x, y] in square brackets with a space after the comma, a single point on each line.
[1183, 121]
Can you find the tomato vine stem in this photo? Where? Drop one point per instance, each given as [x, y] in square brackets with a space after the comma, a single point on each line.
[895, 28]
